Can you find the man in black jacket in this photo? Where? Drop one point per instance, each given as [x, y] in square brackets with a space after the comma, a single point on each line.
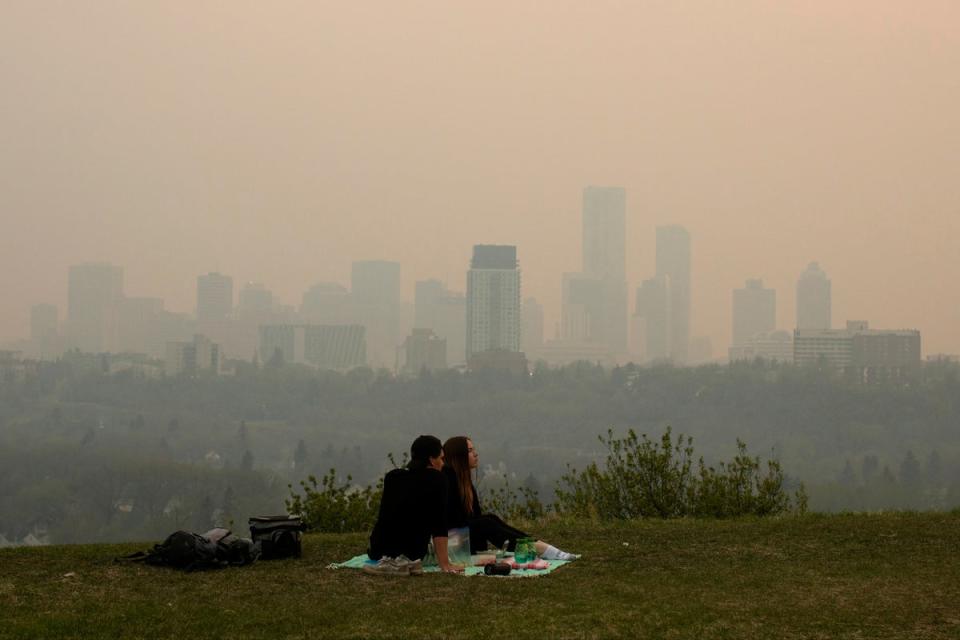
[413, 508]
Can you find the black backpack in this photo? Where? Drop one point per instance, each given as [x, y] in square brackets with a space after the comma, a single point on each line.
[278, 536]
[193, 552]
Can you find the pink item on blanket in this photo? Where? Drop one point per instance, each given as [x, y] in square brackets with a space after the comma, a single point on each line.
[539, 564]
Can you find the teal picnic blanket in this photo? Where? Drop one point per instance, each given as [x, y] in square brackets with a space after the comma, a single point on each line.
[357, 562]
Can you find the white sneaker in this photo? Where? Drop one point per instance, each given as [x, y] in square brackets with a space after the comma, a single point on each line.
[387, 566]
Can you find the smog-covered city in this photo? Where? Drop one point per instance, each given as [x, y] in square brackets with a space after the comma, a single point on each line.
[246, 257]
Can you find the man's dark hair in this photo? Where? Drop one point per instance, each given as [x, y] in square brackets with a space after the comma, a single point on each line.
[424, 448]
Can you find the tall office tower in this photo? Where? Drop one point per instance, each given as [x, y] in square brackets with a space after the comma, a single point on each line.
[444, 311]
[531, 334]
[255, 299]
[813, 299]
[426, 296]
[327, 303]
[139, 326]
[94, 293]
[493, 300]
[604, 259]
[375, 293]
[214, 297]
[673, 264]
[754, 312]
[604, 232]
[581, 308]
[653, 311]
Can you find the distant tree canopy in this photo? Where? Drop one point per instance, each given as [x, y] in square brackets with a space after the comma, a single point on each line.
[849, 443]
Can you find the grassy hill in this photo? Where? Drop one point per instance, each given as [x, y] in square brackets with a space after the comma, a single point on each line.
[848, 576]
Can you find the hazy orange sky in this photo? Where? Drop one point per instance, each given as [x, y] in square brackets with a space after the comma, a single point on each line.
[279, 141]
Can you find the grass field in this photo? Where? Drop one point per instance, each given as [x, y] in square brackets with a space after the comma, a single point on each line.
[850, 576]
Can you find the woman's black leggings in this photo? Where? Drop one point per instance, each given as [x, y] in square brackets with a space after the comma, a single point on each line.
[489, 528]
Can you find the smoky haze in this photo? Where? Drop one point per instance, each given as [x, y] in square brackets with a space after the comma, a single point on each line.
[280, 143]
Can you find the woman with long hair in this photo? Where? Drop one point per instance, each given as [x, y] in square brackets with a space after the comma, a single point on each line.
[463, 506]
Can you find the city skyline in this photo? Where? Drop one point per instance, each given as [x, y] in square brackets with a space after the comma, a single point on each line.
[162, 139]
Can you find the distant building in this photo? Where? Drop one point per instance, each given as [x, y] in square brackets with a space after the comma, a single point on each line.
[327, 303]
[673, 270]
[531, 334]
[868, 355]
[653, 319]
[493, 300]
[772, 345]
[94, 293]
[426, 295]
[423, 349]
[603, 277]
[813, 299]
[754, 311]
[198, 357]
[375, 294]
[214, 297]
[604, 232]
[582, 309]
[444, 311]
[140, 326]
[255, 300]
[337, 347]
[278, 344]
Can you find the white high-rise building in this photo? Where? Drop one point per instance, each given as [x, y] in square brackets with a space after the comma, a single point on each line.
[493, 300]
[813, 299]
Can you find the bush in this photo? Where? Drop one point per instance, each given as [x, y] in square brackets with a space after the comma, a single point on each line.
[331, 507]
[511, 504]
[645, 478]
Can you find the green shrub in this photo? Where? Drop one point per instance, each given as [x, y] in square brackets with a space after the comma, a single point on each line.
[331, 507]
[645, 478]
[522, 503]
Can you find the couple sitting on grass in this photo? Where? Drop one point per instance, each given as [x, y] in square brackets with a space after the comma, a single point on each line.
[433, 494]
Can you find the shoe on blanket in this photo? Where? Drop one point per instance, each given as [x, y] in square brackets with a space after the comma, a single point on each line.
[414, 567]
[387, 566]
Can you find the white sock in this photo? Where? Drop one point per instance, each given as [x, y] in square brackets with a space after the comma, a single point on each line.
[552, 553]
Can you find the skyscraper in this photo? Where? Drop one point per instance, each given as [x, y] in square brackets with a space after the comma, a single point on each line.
[813, 299]
[254, 300]
[493, 300]
[673, 267]
[444, 311]
[214, 297]
[604, 264]
[375, 294]
[327, 303]
[604, 232]
[531, 337]
[94, 293]
[653, 309]
[754, 312]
